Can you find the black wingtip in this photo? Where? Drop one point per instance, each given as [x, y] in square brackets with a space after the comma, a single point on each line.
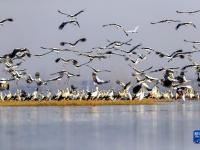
[10, 19]
[62, 43]
[28, 54]
[83, 39]
[61, 26]
[57, 60]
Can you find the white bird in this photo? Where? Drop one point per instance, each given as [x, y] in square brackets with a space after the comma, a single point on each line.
[97, 80]
[135, 30]
[95, 94]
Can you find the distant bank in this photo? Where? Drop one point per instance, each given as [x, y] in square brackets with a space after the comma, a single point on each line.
[84, 103]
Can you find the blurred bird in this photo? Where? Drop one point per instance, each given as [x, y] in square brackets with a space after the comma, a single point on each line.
[97, 70]
[187, 12]
[63, 24]
[71, 16]
[6, 20]
[97, 80]
[193, 42]
[165, 21]
[185, 24]
[73, 44]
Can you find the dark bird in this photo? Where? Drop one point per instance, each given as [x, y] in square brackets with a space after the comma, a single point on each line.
[110, 53]
[6, 20]
[165, 21]
[71, 16]
[185, 24]
[187, 12]
[74, 22]
[115, 44]
[74, 62]
[182, 54]
[73, 44]
[161, 54]
[94, 56]
[132, 49]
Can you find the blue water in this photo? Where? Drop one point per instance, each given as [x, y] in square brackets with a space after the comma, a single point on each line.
[100, 128]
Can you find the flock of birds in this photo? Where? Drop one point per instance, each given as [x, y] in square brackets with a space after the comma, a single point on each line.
[146, 86]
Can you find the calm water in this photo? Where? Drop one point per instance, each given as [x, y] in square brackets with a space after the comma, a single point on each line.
[100, 128]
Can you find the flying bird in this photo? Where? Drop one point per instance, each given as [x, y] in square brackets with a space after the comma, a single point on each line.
[74, 62]
[18, 53]
[117, 26]
[161, 54]
[6, 20]
[135, 30]
[62, 73]
[164, 69]
[93, 56]
[112, 24]
[51, 50]
[115, 44]
[125, 86]
[185, 24]
[73, 44]
[193, 42]
[166, 21]
[59, 77]
[71, 16]
[132, 49]
[97, 70]
[97, 80]
[63, 24]
[182, 54]
[110, 53]
[140, 72]
[187, 12]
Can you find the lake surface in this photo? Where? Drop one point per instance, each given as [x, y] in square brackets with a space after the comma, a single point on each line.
[100, 128]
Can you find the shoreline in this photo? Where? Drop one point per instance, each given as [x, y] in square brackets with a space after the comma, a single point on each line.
[49, 103]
